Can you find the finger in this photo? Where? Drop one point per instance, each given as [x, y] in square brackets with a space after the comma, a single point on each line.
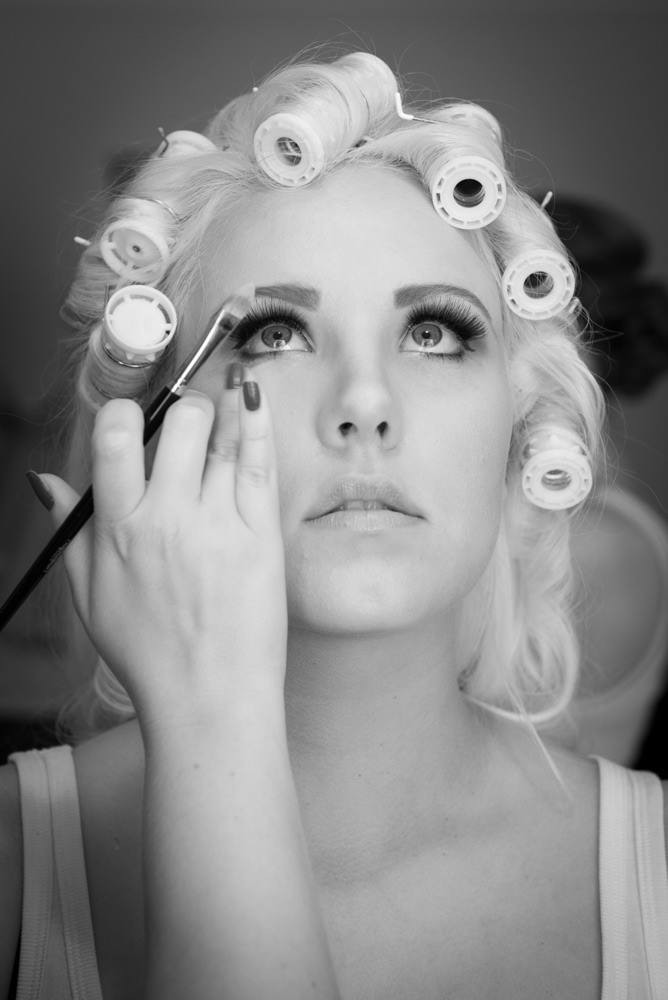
[77, 554]
[224, 442]
[178, 466]
[118, 460]
[256, 490]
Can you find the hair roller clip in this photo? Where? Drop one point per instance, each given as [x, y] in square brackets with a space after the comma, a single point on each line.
[468, 191]
[538, 284]
[139, 323]
[556, 473]
[184, 143]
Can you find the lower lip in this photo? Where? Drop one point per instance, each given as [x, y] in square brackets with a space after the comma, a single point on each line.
[366, 520]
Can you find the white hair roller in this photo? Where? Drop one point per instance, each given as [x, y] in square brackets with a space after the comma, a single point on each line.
[185, 143]
[139, 323]
[468, 191]
[292, 146]
[136, 245]
[538, 284]
[556, 473]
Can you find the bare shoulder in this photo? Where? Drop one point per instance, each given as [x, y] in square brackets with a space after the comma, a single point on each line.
[11, 867]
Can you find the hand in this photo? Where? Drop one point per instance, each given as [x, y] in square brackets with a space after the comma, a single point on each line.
[180, 582]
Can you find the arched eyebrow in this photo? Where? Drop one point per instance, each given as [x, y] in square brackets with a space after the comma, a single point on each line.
[297, 295]
[409, 295]
[308, 297]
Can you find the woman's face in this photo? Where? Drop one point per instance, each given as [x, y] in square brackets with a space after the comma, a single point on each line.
[377, 342]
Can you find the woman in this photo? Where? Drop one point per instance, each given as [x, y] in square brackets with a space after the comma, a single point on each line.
[339, 606]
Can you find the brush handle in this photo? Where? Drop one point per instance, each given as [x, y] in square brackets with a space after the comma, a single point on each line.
[154, 414]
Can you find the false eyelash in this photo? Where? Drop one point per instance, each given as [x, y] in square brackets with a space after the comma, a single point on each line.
[263, 312]
[456, 315]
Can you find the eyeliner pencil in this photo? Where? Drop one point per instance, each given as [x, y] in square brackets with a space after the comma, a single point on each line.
[223, 322]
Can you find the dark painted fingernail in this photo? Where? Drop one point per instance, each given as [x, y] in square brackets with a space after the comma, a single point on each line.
[251, 395]
[40, 489]
[235, 375]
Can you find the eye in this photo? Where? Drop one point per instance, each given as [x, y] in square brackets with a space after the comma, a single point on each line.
[442, 330]
[276, 335]
[268, 330]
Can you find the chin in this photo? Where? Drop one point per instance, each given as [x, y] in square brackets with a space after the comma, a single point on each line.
[367, 607]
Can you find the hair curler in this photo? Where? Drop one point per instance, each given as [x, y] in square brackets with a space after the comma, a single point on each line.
[136, 245]
[469, 192]
[556, 473]
[292, 145]
[538, 284]
[139, 323]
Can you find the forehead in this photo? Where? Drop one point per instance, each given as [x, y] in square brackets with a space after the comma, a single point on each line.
[361, 231]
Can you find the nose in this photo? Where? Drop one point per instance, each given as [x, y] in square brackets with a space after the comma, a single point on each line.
[361, 408]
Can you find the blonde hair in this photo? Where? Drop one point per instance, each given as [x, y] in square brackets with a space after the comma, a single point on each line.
[519, 652]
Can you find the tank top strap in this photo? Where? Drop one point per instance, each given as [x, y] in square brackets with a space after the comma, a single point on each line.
[57, 945]
[633, 881]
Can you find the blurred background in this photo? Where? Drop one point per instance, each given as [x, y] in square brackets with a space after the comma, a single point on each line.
[579, 87]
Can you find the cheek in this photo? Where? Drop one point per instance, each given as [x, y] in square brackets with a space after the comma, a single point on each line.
[470, 450]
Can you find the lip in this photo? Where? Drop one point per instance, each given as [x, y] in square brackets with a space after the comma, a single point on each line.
[369, 503]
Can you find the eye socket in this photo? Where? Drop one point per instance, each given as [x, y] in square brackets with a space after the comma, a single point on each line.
[431, 337]
[442, 330]
[269, 330]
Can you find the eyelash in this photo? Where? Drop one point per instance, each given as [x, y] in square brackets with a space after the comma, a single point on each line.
[456, 316]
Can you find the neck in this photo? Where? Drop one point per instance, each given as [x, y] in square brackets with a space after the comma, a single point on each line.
[381, 737]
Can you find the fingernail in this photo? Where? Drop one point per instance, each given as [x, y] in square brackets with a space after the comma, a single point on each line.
[251, 395]
[40, 489]
[235, 374]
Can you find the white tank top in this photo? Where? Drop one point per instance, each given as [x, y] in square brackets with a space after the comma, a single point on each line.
[58, 961]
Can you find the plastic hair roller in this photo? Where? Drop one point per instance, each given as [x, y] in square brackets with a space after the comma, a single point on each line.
[538, 284]
[136, 246]
[185, 143]
[139, 323]
[556, 473]
[469, 192]
[293, 145]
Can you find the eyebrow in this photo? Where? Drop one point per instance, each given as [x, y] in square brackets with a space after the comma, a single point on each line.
[297, 295]
[309, 298]
[409, 295]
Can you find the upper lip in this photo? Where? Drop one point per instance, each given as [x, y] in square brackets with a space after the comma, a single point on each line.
[359, 488]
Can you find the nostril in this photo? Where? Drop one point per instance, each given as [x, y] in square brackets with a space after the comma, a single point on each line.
[346, 428]
[383, 428]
